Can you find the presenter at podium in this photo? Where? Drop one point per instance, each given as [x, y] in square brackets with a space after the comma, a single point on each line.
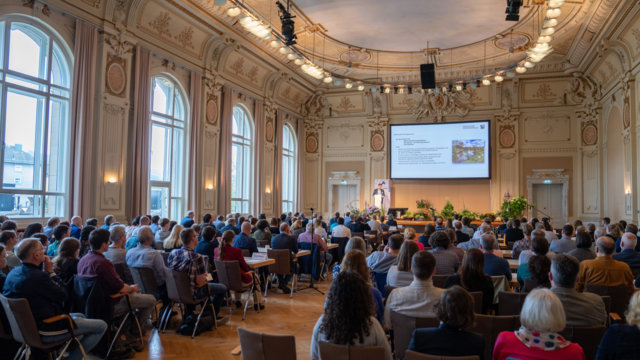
[378, 197]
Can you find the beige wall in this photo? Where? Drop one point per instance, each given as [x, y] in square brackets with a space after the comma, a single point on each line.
[474, 195]
[614, 169]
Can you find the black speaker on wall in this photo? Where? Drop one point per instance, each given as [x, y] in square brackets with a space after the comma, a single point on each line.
[428, 76]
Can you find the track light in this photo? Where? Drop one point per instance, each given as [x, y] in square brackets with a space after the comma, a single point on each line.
[288, 25]
[233, 11]
[219, 2]
[513, 10]
[486, 82]
[327, 78]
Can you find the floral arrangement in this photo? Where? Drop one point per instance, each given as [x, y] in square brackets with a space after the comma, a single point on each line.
[515, 207]
[371, 210]
[424, 204]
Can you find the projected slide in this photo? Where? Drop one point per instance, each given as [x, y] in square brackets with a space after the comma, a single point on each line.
[441, 151]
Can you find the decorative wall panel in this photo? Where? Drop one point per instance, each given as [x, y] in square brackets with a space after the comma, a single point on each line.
[546, 127]
[542, 91]
[346, 104]
[345, 137]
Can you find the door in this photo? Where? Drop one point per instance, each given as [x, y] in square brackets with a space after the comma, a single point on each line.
[548, 203]
[344, 197]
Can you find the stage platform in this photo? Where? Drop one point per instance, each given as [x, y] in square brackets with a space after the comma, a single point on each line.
[418, 225]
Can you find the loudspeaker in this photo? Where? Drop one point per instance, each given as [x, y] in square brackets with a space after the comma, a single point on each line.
[428, 76]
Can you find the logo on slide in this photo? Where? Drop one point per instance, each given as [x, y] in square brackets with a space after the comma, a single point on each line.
[467, 151]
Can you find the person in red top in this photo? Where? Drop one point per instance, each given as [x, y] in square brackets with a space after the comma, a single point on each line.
[542, 317]
[226, 252]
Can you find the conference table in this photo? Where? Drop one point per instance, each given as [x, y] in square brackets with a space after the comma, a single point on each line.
[513, 264]
[258, 263]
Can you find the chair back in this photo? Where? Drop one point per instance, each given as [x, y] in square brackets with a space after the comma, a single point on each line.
[619, 296]
[607, 303]
[158, 245]
[477, 301]
[500, 283]
[342, 243]
[380, 281]
[23, 324]
[172, 287]
[586, 336]
[412, 355]
[510, 303]
[183, 284]
[145, 279]
[165, 258]
[439, 280]
[121, 270]
[310, 264]
[403, 327]
[283, 261]
[348, 352]
[259, 346]
[490, 326]
[358, 234]
[246, 253]
[229, 274]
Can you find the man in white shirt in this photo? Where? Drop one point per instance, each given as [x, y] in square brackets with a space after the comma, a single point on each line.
[419, 298]
[374, 224]
[340, 230]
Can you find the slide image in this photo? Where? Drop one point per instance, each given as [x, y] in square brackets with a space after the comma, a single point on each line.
[467, 151]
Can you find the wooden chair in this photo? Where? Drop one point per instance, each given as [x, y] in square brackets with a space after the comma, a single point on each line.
[281, 267]
[500, 283]
[25, 330]
[510, 303]
[246, 253]
[619, 296]
[477, 301]
[403, 327]
[588, 337]
[439, 280]
[230, 276]
[259, 346]
[490, 326]
[329, 351]
[412, 355]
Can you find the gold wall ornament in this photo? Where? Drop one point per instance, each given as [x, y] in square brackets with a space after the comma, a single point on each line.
[507, 136]
[311, 144]
[211, 110]
[377, 140]
[116, 75]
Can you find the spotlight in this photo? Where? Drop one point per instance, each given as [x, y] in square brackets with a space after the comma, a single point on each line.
[219, 2]
[327, 78]
[556, 3]
[349, 84]
[498, 78]
[547, 31]
[284, 50]
[292, 56]
[233, 11]
[529, 65]
[513, 10]
[550, 22]
[288, 25]
[361, 87]
[275, 43]
[387, 90]
[486, 82]
[458, 87]
[521, 69]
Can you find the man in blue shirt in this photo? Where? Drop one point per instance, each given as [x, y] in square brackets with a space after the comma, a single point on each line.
[565, 244]
[219, 223]
[108, 221]
[144, 256]
[628, 254]
[154, 224]
[493, 265]
[188, 221]
[76, 227]
[244, 241]
[231, 222]
[51, 224]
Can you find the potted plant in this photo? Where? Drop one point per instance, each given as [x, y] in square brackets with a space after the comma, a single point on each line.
[423, 207]
[447, 211]
[515, 207]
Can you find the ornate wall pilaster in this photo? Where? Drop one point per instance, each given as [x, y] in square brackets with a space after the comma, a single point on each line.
[268, 176]
[314, 111]
[508, 163]
[210, 141]
[378, 150]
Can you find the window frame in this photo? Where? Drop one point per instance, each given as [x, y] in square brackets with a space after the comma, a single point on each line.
[290, 165]
[171, 122]
[246, 143]
[50, 93]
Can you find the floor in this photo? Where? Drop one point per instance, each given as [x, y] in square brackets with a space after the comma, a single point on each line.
[282, 315]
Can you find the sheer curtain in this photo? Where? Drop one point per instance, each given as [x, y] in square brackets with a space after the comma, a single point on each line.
[140, 134]
[300, 158]
[258, 144]
[224, 183]
[195, 100]
[85, 52]
[277, 193]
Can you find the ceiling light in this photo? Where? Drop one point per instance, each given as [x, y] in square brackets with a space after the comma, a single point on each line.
[284, 50]
[544, 39]
[549, 23]
[511, 74]
[387, 90]
[275, 43]
[542, 47]
[498, 78]
[535, 58]
[529, 65]
[348, 84]
[555, 3]
[521, 69]
[233, 11]
[459, 87]
[292, 56]
[547, 31]
[219, 2]
[337, 82]
[553, 13]
[305, 67]
[298, 61]
[244, 21]
[486, 82]
[327, 78]
[360, 87]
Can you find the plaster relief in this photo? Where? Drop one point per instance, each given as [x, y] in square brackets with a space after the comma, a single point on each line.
[341, 104]
[542, 91]
[547, 128]
[345, 137]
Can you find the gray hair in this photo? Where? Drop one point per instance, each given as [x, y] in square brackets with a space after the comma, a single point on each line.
[26, 247]
[145, 235]
[488, 242]
[542, 311]
[630, 240]
[117, 232]
[600, 232]
[309, 226]
[356, 243]
[485, 229]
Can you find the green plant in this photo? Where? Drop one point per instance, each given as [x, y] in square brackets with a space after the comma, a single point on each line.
[407, 215]
[467, 213]
[447, 211]
[419, 216]
[515, 207]
[423, 204]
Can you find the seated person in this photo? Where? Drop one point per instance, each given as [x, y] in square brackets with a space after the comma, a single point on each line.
[452, 244]
[340, 231]
[348, 317]
[466, 227]
[423, 239]
[474, 242]
[539, 246]
[410, 235]
[581, 308]
[188, 261]
[524, 243]
[400, 275]
[455, 312]
[471, 277]
[57, 235]
[381, 261]
[230, 225]
[461, 236]
[359, 226]
[244, 241]
[621, 340]
[513, 232]
[419, 298]
[542, 318]
[493, 265]
[173, 241]
[95, 265]
[145, 256]
[355, 243]
[285, 241]
[440, 224]
[583, 247]
[65, 264]
[354, 261]
[628, 254]
[46, 295]
[539, 267]
[604, 270]
[565, 244]
[446, 261]
[310, 237]
[208, 242]
[3, 263]
[9, 239]
[163, 231]
[391, 221]
[262, 234]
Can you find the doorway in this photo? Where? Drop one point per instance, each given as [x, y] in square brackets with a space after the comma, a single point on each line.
[344, 197]
[548, 203]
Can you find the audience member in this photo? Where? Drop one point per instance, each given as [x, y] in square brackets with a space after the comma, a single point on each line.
[523, 244]
[91, 222]
[187, 221]
[9, 240]
[461, 236]
[381, 261]
[173, 241]
[419, 298]
[341, 231]
[604, 270]
[565, 244]
[155, 224]
[400, 275]
[628, 254]
[48, 230]
[440, 223]
[391, 221]
[581, 308]
[410, 235]
[446, 261]
[296, 229]
[108, 221]
[451, 234]
[76, 227]
[354, 261]
[65, 264]
[474, 242]
[583, 247]
[549, 234]
[504, 226]
[310, 237]
[219, 223]
[623, 341]
[493, 265]
[466, 227]
[85, 247]
[472, 277]
[355, 243]
[244, 241]
[513, 233]
[539, 267]
[59, 233]
[284, 241]
[348, 317]
[208, 243]
[539, 246]
[262, 234]
[144, 256]
[542, 317]
[3, 264]
[35, 281]
[230, 225]
[423, 239]
[31, 229]
[374, 224]
[163, 232]
[615, 232]
[451, 338]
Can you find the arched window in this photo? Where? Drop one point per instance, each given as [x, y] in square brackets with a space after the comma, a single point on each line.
[289, 169]
[241, 161]
[167, 161]
[35, 83]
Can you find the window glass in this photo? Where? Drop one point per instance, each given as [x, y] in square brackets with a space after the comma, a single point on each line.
[57, 146]
[241, 161]
[28, 50]
[59, 68]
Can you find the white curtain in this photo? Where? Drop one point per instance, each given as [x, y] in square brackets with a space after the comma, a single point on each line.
[224, 181]
[277, 193]
[194, 164]
[259, 156]
[140, 134]
[300, 157]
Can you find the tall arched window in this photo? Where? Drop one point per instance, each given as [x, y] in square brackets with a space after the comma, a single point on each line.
[167, 161]
[241, 161]
[289, 169]
[35, 83]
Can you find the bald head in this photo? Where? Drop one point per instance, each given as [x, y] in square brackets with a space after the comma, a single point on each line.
[605, 246]
[145, 235]
[629, 241]
[246, 227]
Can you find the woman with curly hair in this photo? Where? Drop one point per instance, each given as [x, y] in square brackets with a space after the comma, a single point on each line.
[348, 317]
